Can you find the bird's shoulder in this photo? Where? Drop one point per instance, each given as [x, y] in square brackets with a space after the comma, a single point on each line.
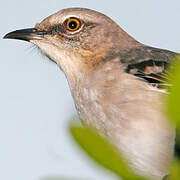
[148, 63]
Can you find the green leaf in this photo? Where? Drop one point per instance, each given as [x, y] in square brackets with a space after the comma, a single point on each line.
[175, 171]
[173, 109]
[102, 152]
[173, 102]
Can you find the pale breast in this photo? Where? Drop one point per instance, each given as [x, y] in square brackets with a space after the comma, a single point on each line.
[131, 115]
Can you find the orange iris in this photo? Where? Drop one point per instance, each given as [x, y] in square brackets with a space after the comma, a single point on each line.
[73, 24]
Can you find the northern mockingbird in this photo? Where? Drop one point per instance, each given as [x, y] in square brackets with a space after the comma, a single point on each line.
[115, 83]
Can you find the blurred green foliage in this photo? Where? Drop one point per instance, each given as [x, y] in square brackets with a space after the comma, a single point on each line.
[173, 109]
[175, 171]
[173, 101]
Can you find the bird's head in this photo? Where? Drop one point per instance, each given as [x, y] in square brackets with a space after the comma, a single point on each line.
[76, 39]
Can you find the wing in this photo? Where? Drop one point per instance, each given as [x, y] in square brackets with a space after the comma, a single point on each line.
[149, 64]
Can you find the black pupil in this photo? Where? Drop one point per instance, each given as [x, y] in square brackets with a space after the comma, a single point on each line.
[73, 25]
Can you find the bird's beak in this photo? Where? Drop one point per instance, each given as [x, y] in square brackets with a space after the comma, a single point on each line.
[26, 34]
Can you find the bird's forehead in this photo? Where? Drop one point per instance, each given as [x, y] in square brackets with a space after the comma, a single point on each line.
[86, 15]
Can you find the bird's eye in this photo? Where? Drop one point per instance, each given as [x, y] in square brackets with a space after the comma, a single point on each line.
[73, 24]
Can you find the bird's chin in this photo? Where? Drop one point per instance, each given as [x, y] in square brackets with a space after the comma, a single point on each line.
[47, 49]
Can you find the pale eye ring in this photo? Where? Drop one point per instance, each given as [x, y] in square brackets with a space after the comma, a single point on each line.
[72, 24]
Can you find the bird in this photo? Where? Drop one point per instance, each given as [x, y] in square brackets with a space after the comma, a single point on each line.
[117, 83]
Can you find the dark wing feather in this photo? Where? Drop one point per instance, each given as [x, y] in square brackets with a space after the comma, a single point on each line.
[148, 63]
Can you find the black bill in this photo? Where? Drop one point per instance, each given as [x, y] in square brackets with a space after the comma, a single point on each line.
[26, 34]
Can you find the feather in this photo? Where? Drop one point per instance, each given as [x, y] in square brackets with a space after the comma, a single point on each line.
[149, 64]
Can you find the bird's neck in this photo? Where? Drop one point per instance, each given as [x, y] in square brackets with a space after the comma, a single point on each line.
[73, 68]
